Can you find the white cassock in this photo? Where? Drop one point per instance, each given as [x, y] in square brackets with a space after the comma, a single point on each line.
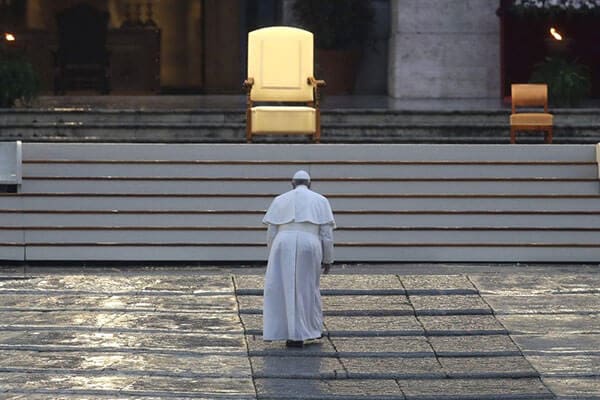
[300, 238]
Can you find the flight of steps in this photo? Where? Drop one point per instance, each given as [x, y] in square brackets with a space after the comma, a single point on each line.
[339, 126]
[392, 202]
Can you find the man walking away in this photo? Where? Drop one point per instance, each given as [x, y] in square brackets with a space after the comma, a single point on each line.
[300, 242]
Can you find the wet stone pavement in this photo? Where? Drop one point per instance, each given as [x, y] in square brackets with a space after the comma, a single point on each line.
[197, 335]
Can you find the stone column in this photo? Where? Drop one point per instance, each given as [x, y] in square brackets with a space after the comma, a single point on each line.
[444, 49]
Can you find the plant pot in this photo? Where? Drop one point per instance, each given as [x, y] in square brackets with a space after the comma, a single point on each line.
[339, 69]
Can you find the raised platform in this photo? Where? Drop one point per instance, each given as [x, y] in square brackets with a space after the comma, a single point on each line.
[221, 119]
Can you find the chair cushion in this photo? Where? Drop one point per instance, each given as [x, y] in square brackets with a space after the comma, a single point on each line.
[531, 119]
[272, 119]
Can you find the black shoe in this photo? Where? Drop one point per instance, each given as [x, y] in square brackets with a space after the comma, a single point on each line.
[294, 343]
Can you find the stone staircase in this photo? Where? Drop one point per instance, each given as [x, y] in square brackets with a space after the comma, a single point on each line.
[226, 125]
[393, 202]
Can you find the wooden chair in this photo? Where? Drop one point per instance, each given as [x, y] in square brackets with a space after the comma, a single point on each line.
[530, 95]
[280, 70]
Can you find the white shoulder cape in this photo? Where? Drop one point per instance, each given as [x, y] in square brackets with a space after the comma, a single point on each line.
[299, 205]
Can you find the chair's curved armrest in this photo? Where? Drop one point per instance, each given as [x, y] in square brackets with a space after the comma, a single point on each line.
[315, 82]
[248, 83]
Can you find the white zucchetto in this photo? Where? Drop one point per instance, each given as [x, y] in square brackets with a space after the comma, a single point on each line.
[301, 175]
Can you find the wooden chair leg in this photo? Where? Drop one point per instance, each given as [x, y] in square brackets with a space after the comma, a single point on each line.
[513, 136]
[549, 136]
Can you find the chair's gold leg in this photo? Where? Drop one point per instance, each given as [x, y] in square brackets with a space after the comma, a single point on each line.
[513, 136]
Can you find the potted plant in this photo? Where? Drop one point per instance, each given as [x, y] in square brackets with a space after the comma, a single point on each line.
[18, 80]
[568, 82]
[342, 28]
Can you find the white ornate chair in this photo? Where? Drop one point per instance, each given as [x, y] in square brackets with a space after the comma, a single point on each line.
[280, 70]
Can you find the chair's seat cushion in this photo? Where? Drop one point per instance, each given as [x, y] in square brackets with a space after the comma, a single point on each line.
[287, 119]
[531, 119]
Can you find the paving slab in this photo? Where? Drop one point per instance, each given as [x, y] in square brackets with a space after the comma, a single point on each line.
[236, 388]
[258, 347]
[125, 341]
[398, 346]
[567, 366]
[134, 363]
[297, 367]
[437, 284]
[392, 368]
[339, 284]
[450, 305]
[574, 388]
[488, 367]
[91, 320]
[187, 322]
[545, 303]
[444, 325]
[373, 326]
[558, 344]
[250, 304]
[367, 305]
[556, 323]
[352, 283]
[196, 284]
[509, 284]
[476, 389]
[325, 389]
[474, 345]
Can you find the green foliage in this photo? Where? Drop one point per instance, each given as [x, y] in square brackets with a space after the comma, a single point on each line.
[18, 81]
[336, 24]
[568, 82]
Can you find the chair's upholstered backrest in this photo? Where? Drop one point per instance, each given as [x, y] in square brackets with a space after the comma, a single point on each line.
[529, 94]
[280, 59]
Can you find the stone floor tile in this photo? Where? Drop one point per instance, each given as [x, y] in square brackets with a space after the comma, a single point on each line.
[361, 283]
[399, 346]
[474, 345]
[258, 347]
[461, 324]
[8, 318]
[373, 326]
[250, 304]
[197, 284]
[545, 303]
[367, 305]
[558, 344]
[235, 388]
[187, 303]
[188, 322]
[437, 283]
[555, 323]
[66, 319]
[453, 304]
[325, 389]
[93, 341]
[55, 381]
[480, 389]
[296, 367]
[478, 367]
[253, 323]
[209, 365]
[574, 388]
[512, 284]
[249, 282]
[582, 365]
[392, 367]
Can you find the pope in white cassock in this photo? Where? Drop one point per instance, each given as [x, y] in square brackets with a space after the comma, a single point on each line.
[300, 242]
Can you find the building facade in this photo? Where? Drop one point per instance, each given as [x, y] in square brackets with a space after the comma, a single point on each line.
[418, 48]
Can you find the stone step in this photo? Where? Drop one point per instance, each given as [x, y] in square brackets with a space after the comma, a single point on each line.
[339, 126]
